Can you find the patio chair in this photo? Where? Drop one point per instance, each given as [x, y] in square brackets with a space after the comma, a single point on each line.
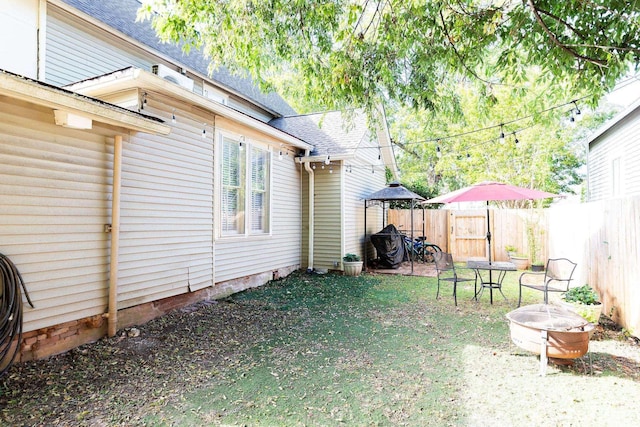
[556, 278]
[447, 272]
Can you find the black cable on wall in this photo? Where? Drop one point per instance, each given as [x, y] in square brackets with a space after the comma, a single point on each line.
[10, 312]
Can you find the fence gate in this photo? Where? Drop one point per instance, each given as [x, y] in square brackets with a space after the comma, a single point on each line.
[468, 234]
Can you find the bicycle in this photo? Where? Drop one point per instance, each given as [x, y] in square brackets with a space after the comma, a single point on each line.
[420, 249]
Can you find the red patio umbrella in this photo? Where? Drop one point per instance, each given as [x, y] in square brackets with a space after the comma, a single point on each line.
[487, 191]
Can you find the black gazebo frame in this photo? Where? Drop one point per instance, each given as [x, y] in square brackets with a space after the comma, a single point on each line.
[394, 192]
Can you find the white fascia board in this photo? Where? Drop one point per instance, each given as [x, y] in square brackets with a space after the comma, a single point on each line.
[58, 99]
[137, 78]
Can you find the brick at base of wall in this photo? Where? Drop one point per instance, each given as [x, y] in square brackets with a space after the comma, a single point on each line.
[45, 342]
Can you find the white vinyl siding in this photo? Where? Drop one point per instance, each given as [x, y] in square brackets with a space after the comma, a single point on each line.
[67, 62]
[256, 254]
[328, 218]
[614, 160]
[55, 186]
[366, 176]
[166, 236]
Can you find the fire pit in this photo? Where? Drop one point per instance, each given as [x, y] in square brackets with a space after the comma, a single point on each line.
[550, 331]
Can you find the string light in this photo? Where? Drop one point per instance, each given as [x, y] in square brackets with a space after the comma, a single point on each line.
[438, 152]
[241, 143]
[515, 138]
[501, 134]
[313, 166]
[330, 168]
[173, 116]
[328, 159]
[578, 112]
[204, 131]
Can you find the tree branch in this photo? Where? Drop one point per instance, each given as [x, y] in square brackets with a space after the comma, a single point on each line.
[558, 43]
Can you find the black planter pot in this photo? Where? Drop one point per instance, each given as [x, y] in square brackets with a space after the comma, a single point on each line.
[537, 267]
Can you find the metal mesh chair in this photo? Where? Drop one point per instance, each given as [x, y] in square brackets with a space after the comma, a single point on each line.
[447, 272]
[556, 278]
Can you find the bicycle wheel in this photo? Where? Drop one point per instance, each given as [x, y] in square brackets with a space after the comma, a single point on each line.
[429, 251]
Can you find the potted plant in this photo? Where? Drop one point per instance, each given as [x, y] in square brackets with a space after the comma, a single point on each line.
[521, 261]
[352, 264]
[583, 300]
[511, 250]
[537, 266]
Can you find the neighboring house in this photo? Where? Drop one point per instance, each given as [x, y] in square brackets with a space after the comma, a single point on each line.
[614, 157]
[159, 185]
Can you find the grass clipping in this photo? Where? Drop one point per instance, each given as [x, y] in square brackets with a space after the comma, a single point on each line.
[327, 350]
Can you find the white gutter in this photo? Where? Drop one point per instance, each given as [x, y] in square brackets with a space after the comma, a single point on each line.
[307, 167]
[133, 78]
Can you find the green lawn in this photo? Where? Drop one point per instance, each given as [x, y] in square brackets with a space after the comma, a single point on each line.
[326, 350]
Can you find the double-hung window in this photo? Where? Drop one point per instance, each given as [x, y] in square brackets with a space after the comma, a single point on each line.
[245, 171]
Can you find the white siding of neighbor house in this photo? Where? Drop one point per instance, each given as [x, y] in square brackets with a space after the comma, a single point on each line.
[366, 177]
[166, 244]
[237, 257]
[619, 145]
[54, 186]
[328, 241]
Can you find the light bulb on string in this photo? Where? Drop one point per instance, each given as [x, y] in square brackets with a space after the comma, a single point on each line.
[515, 138]
[578, 112]
[327, 160]
[438, 152]
[241, 143]
[173, 116]
[204, 131]
[501, 134]
[330, 168]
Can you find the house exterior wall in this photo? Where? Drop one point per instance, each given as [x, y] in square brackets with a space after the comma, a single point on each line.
[614, 160]
[55, 192]
[278, 250]
[166, 231]
[366, 177]
[76, 50]
[328, 238]
[20, 25]
[74, 54]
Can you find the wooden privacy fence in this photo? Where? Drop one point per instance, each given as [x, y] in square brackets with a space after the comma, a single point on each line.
[602, 237]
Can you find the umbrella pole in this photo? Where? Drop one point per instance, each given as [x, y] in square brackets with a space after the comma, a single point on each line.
[489, 241]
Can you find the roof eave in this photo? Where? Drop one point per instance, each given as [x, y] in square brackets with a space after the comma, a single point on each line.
[35, 92]
[131, 78]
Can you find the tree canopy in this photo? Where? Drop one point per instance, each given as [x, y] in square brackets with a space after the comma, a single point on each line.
[346, 53]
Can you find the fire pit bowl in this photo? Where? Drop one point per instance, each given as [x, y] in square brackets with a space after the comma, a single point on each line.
[550, 331]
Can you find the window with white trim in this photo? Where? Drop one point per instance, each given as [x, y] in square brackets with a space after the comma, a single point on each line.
[259, 190]
[245, 193]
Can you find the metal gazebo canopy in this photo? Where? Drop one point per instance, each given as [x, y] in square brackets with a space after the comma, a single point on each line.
[394, 192]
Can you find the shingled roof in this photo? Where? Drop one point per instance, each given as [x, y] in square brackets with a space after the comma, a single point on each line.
[121, 15]
[328, 132]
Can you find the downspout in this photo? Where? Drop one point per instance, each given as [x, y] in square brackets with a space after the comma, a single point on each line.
[309, 170]
[115, 237]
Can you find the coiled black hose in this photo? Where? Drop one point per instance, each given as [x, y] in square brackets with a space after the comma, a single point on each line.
[10, 312]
